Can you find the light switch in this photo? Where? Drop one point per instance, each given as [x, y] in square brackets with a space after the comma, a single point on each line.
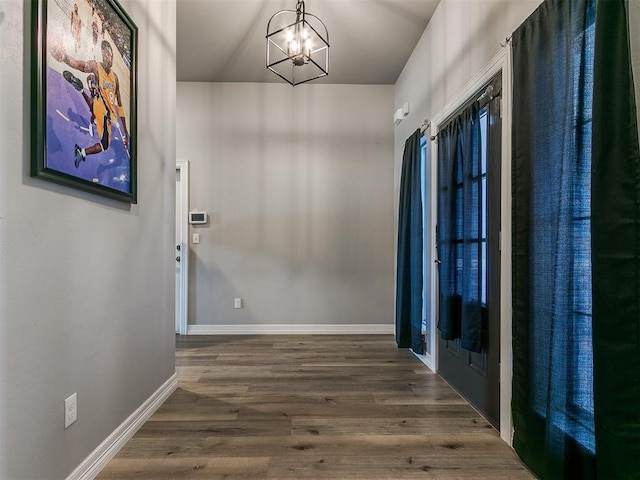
[196, 238]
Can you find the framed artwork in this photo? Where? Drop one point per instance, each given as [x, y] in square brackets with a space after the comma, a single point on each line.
[84, 96]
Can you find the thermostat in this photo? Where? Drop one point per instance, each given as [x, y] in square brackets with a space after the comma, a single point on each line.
[197, 217]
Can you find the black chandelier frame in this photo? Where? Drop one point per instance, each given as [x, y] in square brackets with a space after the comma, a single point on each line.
[303, 57]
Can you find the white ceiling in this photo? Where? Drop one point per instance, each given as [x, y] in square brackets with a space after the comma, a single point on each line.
[371, 40]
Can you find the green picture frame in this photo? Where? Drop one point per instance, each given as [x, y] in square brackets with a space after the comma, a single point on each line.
[84, 96]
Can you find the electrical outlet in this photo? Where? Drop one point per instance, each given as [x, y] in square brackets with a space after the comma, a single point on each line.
[70, 410]
[237, 303]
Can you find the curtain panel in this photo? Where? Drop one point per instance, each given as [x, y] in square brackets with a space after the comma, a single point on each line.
[459, 230]
[410, 245]
[552, 401]
[576, 243]
[615, 227]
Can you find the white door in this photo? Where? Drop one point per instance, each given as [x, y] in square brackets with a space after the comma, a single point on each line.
[181, 251]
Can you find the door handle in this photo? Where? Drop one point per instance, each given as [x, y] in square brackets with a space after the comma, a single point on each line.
[438, 261]
[177, 258]
[178, 247]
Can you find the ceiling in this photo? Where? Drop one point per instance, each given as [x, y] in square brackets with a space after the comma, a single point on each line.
[371, 40]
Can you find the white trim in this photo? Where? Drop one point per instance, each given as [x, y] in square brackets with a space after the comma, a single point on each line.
[426, 359]
[472, 86]
[182, 202]
[428, 253]
[500, 62]
[429, 359]
[506, 352]
[98, 459]
[355, 329]
[435, 290]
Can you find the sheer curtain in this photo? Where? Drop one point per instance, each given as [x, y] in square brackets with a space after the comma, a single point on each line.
[409, 262]
[576, 213]
[459, 235]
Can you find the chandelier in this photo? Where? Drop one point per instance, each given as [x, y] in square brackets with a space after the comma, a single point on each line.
[297, 46]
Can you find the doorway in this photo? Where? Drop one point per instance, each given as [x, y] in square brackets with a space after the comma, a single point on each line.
[182, 246]
[468, 248]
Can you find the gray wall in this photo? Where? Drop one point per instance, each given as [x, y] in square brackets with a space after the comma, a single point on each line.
[86, 283]
[444, 60]
[461, 38]
[299, 186]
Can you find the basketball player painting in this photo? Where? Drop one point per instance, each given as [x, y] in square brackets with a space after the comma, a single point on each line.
[103, 99]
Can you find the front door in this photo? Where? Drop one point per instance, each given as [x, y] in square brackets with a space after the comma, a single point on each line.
[475, 375]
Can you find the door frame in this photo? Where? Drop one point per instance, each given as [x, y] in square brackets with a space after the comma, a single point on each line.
[182, 234]
[500, 62]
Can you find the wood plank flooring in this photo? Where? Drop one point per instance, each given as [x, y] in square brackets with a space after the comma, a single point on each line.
[311, 407]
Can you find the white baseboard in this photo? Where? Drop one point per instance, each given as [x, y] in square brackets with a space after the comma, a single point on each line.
[354, 329]
[98, 459]
[427, 360]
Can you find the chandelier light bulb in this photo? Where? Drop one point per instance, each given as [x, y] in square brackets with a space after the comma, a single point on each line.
[294, 47]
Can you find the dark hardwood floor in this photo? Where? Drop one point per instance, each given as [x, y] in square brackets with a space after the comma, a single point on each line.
[311, 407]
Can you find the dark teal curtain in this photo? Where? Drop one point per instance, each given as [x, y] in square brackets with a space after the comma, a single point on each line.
[615, 227]
[576, 240]
[552, 341]
[459, 230]
[409, 262]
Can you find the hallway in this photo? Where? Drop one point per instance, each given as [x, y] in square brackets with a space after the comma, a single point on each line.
[311, 407]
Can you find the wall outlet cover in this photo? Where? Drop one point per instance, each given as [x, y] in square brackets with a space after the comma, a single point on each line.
[70, 410]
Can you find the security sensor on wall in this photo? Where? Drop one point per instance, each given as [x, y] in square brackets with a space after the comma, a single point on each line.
[398, 117]
[399, 114]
